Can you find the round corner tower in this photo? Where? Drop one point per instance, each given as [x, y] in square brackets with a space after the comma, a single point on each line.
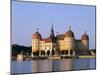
[85, 41]
[36, 38]
[69, 39]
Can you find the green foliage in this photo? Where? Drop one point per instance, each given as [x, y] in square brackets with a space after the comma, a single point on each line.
[16, 49]
[53, 52]
[48, 52]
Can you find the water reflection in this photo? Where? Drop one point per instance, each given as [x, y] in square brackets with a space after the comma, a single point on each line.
[66, 64]
[52, 65]
[41, 65]
[92, 63]
[55, 65]
[20, 67]
[81, 64]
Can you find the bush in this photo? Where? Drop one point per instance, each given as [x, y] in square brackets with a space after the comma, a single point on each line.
[42, 52]
[48, 52]
[53, 52]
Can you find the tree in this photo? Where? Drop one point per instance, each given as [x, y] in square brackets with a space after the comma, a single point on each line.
[16, 49]
[42, 52]
[37, 53]
[34, 53]
[53, 52]
[62, 52]
[48, 52]
[66, 52]
[71, 51]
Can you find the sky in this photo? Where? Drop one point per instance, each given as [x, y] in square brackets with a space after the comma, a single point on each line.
[27, 16]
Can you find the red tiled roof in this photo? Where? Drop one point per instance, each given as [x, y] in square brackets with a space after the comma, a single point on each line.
[60, 37]
[47, 40]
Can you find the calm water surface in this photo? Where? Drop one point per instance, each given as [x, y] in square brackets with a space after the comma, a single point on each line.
[52, 65]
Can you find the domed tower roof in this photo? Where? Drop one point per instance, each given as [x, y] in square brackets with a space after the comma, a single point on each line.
[69, 33]
[36, 35]
[85, 36]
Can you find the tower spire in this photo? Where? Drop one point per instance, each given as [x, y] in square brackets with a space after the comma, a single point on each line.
[52, 31]
[37, 29]
[69, 27]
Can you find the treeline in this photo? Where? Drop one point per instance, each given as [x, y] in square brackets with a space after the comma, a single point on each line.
[16, 49]
[94, 50]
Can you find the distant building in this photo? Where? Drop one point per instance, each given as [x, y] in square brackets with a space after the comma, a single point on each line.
[65, 43]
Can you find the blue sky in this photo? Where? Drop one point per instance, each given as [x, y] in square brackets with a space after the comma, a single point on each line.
[27, 16]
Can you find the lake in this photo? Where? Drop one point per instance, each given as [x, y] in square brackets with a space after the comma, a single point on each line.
[35, 66]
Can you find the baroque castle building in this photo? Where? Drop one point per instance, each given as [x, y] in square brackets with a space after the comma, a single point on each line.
[61, 42]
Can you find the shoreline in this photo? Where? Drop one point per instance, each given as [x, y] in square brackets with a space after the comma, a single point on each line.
[54, 57]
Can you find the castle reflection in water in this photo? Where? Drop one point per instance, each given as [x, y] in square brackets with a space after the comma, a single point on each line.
[36, 66]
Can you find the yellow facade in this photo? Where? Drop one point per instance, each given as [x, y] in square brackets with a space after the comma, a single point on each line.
[67, 42]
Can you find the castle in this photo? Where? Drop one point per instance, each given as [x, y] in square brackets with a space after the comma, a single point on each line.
[63, 43]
